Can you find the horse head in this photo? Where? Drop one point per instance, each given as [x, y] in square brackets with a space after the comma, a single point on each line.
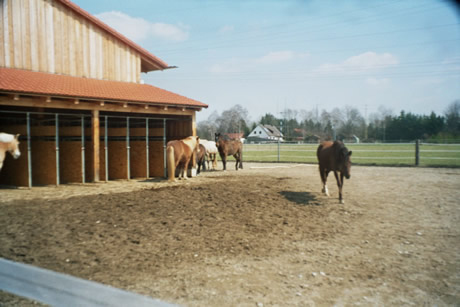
[345, 162]
[13, 147]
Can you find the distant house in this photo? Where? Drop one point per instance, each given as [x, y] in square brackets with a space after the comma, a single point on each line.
[263, 133]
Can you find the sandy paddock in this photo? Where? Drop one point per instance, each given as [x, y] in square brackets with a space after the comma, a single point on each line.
[262, 236]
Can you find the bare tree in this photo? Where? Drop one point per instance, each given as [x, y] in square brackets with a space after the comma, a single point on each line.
[452, 114]
[234, 119]
[207, 128]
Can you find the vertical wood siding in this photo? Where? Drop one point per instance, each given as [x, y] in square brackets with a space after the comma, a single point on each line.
[46, 36]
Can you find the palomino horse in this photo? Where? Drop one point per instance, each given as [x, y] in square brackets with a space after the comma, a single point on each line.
[10, 143]
[179, 153]
[230, 147]
[211, 152]
[334, 157]
[200, 158]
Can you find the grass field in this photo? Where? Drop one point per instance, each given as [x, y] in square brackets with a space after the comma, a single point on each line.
[365, 154]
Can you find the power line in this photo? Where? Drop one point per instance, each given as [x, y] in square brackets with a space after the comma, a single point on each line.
[257, 39]
[194, 58]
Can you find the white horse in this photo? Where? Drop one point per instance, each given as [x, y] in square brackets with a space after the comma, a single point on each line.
[10, 143]
[211, 152]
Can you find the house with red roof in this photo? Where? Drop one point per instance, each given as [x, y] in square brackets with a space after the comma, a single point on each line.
[71, 86]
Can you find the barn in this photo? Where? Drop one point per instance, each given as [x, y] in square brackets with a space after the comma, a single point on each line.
[71, 86]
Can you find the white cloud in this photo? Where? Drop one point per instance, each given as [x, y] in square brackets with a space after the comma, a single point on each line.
[361, 63]
[138, 29]
[280, 56]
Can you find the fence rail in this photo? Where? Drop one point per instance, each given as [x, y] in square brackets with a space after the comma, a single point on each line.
[403, 154]
[57, 289]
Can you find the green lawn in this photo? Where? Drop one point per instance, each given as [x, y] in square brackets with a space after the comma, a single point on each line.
[365, 154]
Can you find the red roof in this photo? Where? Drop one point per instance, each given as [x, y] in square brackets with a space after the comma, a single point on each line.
[39, 83]
[146, 55]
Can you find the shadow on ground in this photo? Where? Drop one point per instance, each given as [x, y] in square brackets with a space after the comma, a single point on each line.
[301, 198]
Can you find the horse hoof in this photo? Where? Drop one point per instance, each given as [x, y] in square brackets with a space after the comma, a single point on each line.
[341, 202]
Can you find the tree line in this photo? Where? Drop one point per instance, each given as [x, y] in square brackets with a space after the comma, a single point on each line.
[346, 123]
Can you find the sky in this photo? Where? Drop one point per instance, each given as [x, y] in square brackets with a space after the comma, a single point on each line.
[269, 56]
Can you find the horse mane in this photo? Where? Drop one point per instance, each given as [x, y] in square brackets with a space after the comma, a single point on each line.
[6, 137]
[340, 150]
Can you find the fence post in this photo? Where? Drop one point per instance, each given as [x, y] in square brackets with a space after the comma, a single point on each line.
[279, 149]
[417, 152]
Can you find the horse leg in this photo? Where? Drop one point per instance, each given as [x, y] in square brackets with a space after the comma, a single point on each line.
[323, 174]
[237, 158]
[339, 185]
[214, 161]
[224, 161]
[185, 169]
[241, 159]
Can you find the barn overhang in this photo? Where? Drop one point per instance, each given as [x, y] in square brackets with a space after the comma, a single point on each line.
[51, 91]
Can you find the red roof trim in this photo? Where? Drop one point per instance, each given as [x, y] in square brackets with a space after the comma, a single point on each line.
[146, 54]
[39, 83]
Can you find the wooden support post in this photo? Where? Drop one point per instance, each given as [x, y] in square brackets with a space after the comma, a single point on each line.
[58, 180]
[95, 136]
[106, 148]
[194, 166]
[165, 173]
[83, 149]
[29, 152]
[417, 152]
[147, 154]
[128, 151]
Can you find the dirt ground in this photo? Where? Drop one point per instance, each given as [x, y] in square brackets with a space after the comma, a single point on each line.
[262, 236]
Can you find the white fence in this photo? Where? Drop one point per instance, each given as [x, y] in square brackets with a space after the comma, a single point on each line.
[58, 289]
[415, 153]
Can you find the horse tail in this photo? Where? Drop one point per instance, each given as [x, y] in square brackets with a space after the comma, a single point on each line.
[171, 163]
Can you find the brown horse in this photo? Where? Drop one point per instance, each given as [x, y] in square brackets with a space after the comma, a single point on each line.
[229, 147]
[201, 158]
[179, 153]
[334, 157]
[8, 143]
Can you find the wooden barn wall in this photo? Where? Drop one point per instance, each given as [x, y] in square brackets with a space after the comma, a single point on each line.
[70, 155]
[138, 153]
[156, 153]
[43, 156]
[43, 163]
[178, 129]
[46, 36]
[156, 158]
[117, 155]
